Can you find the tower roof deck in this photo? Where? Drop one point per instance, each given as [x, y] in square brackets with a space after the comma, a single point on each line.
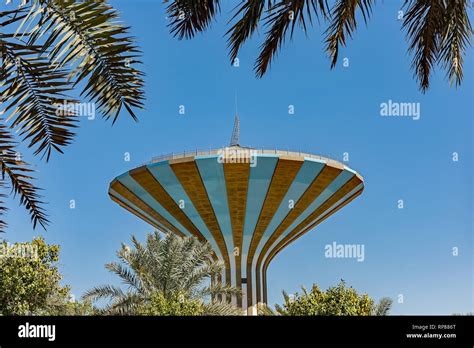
[252, 151]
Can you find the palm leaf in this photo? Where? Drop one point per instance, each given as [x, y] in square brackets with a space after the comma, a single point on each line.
[125, 305]
[18, 172]
[32, 88]
[220, 309]
[219, 289]
[53, 37]
[383, 307]
[265, 310]
[189, 16]
[86, 35]
[455, 37]
[243, 29]
[283, 16]
[36, 104]
[128, 276]
[105, 291]
[343, 24]
[424, 25]
[3, 209]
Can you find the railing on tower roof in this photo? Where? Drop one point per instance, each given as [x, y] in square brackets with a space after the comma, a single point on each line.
[262, 151]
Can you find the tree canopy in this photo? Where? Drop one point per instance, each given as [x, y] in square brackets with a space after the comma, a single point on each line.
[30, 281]
[336, 300]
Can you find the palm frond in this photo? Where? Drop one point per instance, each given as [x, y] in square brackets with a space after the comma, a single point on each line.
[196, 264]
[283, 16]
[138, 246]
[265, 310]
[455, 38]
[3, 209]
[37, 104]
[87, 35]
[189, 17]
[105, 291]
[128, 276]
[217, 289]
[220, 309]
[424, 25]
[280, 310]
[18, 173]
[33, 90]
[57, 45]
[343, 24]
[126, 305]
[383, 307]
[12, 16]
[243, 29]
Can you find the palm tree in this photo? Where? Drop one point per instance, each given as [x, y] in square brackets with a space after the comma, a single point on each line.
[166, 266]
[383, 307]
[438, 31]
[48, 48]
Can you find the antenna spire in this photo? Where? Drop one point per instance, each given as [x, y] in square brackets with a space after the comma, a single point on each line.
[234, 141]
[236, 108]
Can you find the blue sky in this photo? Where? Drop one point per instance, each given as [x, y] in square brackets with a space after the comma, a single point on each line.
[407, 251]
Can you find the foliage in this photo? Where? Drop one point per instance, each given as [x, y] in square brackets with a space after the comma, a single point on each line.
[175, 305]
[336, 300]
[383, 307]
[63, 303]
[48, 48]
[29, 279]
[438, 31]
[167, 267]
[18, 173]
